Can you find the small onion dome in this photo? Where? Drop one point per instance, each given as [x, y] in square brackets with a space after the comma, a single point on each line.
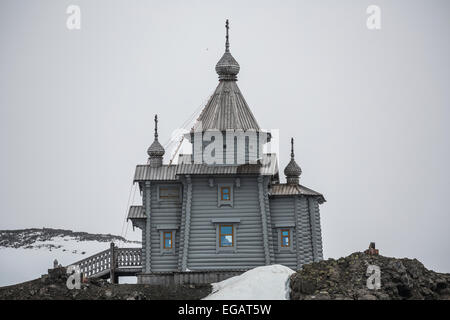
[292, 170]
[227, 68]
[156, 150]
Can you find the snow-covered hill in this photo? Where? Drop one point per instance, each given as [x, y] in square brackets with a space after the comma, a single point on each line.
[27, 254]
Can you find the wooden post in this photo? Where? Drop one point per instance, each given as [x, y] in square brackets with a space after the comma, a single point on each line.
[112, 267]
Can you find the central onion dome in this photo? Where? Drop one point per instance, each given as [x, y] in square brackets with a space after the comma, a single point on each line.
[227, 68]
[292, 170]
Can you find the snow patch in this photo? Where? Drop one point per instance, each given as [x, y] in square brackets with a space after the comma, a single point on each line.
[27, 263]
[261, 283]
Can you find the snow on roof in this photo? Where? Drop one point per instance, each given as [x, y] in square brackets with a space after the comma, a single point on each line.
[261, 283]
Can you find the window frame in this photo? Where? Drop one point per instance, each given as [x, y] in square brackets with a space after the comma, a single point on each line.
[226, 234]
[163, 229]
[283, 236]
[164, 240]
[173, 200]
[291, 232]
[223, 202]
[231, 222]
[222, 193]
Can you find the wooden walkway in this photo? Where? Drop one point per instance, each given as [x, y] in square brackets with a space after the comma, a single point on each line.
[112, 263]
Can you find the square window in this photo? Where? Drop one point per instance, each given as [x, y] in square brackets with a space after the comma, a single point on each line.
[226, 236]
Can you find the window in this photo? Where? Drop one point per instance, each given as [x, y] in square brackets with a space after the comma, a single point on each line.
[285, 238]
[226, 236]
[285, 230]
[167, 240]
[167, 236]
[169, 193]
[225, 194]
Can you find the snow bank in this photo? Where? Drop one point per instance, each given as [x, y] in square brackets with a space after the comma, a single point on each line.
[261, 283]
[23, 264]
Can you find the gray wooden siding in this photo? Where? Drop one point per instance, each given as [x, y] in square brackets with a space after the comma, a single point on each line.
[182, 225]
[299, 213]
[316, 230]
[282, 210]
[304, 231]
[163, 213]
[202, 241]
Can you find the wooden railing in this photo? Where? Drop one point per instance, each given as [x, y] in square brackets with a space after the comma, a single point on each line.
[108, 262]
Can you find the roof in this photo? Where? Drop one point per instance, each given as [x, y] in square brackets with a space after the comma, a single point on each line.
[227, 109]
[283, 189]
[145, 172]
[166, 173]
[136, 212]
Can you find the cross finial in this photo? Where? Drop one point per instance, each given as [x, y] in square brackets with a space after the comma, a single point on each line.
[227, 43]
[292, 148]
[156, 127]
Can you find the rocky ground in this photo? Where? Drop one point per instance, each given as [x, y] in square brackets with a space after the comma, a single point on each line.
[341, 279]
[346, 279]
[53, 287]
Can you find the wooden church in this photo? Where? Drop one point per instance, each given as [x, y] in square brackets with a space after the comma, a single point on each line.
[202, 220]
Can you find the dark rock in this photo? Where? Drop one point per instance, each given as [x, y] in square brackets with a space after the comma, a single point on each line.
[346, 278]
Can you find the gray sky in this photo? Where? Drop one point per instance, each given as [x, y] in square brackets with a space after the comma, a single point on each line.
[369, 109]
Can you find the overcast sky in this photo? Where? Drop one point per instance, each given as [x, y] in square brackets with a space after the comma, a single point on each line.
[369, 108]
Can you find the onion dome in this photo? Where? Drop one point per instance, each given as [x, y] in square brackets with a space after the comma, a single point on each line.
[156, 150]
[227, 68]
[292, 170]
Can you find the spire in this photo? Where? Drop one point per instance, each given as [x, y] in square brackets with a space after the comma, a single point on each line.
[292, 148]
[227, 43]
[155, 151]
[156, 127]
[292, 170]
[227, 68]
